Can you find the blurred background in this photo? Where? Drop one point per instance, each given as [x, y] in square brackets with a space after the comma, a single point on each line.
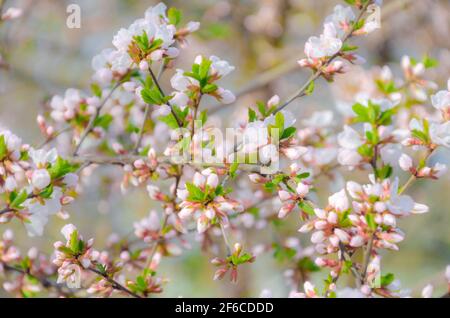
[264, 39]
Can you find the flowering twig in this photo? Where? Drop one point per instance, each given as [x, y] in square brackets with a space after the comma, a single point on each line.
[91, 123]
[114, 283]
[45, 282]
[303, 90]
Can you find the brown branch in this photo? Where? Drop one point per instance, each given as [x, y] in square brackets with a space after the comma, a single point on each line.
[114, 284]
[44, 281]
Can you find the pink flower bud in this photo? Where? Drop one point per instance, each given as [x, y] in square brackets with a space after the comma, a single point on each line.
[302, 189]
[320, 225]
[67, 231]
[389, 219]
[357, 241]
[306, 228]
[185, 213]
[343, 236]
[212, 180]
[202, 224]
[182, 194]
[256, 178]
[199, 179]
[405, 162]
[143, 66]
[317, 237]
[380, 207]
[320, 262]
[332, 217]
[139, 164]
[284, 195]
[285, 210]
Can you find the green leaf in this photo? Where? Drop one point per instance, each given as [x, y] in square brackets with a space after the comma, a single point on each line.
[203, 116]
[73, 242]
[195, 193]
[269, 186]
[371, 221]
[47, 192]
[103, 121]
[204, 69]
[251, 115]
[288, 132]
[152, 96]
[385, 172]
[96, 89]
[233, 168]
[261, 108]
[359, 24]
[141, 283]
[347, 266]
[365, 151]
[386, 87]
[244, 258]
[279, 121]
[429, 62]
[386, 117]
[347, 47]
[101, 268]
[370, 137]
[18, 199]
[169, 120]
[174, 16]
[60, 168]
[361, 111]
[420, 135]
[307, 264]
[310, 89]
[209, 88]
[304, 206]
[3, 147]
[65, 250]
[387, 279]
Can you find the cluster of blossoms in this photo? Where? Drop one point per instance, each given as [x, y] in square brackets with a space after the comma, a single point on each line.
[146, 40]
[337, 28]
[206, 200]
[73, 256]
[34, 183]
[117, 78]
[269, 134]
[30, 270]
[139, 127]
[344, 225]
[189, 86]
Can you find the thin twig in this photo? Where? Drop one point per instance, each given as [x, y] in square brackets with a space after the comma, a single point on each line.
[367, 256]
[166, 219]
[147, 113]
[114, 283]
[268, 76]
[53, 137]
[156, 82]
[91, 123]
[225, 239]
[44, 281]
[302, 91]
